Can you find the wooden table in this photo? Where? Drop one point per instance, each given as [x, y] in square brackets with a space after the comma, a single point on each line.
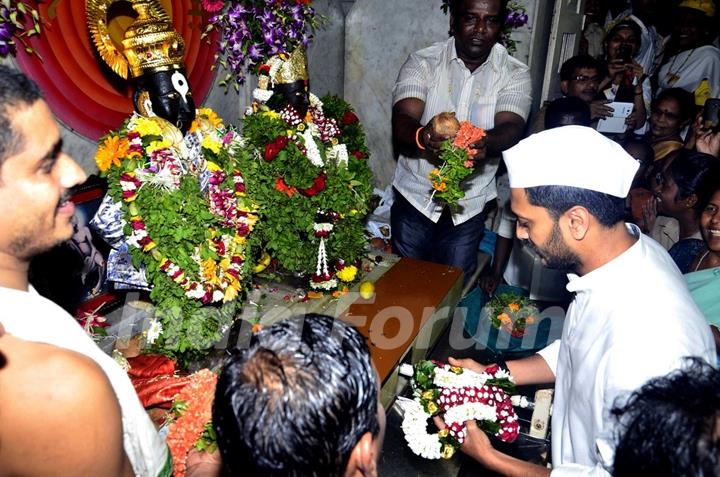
[413, 304]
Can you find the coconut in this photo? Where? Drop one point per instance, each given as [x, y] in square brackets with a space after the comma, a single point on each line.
[445, 124]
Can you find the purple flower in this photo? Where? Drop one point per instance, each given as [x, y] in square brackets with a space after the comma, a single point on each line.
[254, 52]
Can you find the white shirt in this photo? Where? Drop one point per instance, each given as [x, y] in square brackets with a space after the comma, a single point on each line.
[441, 80]
[631, 320]
[31, 317]
[689, 68]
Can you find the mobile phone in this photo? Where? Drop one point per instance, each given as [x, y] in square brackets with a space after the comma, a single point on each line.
[625, 53]
[711, 114]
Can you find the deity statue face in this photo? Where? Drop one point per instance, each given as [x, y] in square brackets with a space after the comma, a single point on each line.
[295, 94]
[166, 94]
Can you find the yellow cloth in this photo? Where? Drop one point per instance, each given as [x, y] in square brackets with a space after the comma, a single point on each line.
[702, 92]
[663, 148]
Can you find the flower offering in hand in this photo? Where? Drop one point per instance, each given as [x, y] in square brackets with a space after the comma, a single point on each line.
[461, 395]
[512, 312]
[457, 156]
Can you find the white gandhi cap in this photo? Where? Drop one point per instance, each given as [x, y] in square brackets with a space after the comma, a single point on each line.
[575, 156]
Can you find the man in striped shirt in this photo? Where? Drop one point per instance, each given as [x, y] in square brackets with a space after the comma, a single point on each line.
[472, 75]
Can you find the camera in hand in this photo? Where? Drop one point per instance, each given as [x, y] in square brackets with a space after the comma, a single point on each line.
[711, 114]
[625, 53]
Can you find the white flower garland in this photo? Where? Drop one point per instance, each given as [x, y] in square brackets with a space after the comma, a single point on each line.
[313, 152]
[339, 154]
[262, 95]
[444, 378]
[415, 419]
[414, 426]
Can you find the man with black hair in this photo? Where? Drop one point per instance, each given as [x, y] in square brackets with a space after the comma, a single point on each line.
[669, 427]
[632, 317]
[302, 400]
[567, 111]
[580, 77]
[472, 75]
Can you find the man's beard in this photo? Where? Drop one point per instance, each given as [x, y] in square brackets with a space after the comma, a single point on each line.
[555, 253]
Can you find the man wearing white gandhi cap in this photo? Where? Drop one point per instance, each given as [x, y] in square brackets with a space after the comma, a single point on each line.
[632, 317]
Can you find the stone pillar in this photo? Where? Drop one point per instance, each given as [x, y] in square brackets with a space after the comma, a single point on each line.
[326, 53]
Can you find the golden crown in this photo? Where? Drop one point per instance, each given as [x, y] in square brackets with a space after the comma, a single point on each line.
[290, 68]
[150, 44]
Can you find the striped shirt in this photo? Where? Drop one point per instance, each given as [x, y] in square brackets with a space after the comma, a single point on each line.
[441, 80]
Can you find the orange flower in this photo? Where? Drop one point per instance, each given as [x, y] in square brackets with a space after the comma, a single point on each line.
[467, 135]
[281, 186]
[530, 320]
[110, 152]
[182, 435]
[504, 318]
[514, 307]
[439, 186]
[256, 328]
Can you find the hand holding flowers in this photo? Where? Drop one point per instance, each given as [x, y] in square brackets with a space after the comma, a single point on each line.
[462, 395]
[458, 157]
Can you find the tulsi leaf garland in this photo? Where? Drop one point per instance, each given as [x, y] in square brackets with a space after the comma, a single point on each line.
[306, 174]
[188, 221]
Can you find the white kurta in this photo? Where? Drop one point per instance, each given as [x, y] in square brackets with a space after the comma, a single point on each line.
[32, 317]
[689, 68]
[631, 320]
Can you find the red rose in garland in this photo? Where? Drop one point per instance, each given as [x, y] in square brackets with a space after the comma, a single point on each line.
[318, 186]
[274, 148]
[349, 118]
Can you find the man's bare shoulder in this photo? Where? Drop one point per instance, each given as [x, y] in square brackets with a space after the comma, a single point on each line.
[63, 405]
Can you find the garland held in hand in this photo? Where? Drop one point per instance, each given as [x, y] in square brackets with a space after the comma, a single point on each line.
[461, 395]
[457, 164]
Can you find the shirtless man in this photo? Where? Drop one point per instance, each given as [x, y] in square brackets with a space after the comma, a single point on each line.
[58, 413]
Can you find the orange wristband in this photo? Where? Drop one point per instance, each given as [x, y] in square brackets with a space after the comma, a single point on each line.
[417, 139]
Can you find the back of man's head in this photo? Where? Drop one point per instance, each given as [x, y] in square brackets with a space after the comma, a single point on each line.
[670, 426]
[567, 111]
[16, 91]
[298, 401]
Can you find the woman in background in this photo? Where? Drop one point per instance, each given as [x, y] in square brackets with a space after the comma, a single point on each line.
[677, 192]
[704, 279]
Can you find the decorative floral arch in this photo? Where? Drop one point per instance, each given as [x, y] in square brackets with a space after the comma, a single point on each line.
[85, 96]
